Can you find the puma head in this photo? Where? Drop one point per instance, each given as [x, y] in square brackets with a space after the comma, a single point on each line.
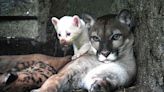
[111, 34]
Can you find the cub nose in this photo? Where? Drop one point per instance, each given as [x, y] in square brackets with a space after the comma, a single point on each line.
[63, 42]
[105, 53]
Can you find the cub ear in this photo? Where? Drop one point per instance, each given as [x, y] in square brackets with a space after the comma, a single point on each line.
[89, 20]
[76, 21]
[10, 77]
[54, 21]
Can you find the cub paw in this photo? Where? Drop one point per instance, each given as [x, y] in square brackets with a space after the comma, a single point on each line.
[76, 56]
[36, 90]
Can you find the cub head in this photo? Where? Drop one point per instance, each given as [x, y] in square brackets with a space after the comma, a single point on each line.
[7, 78]
[68, 28]
[111, 35]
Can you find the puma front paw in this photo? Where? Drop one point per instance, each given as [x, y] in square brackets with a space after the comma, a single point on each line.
[100, 86]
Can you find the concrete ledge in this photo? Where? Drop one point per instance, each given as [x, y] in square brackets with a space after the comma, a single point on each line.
[18, 7]
[24, 29]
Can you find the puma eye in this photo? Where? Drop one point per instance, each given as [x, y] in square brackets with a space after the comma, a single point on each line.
[95, 38]
[68, 34]
[59, 34]
[116, 36]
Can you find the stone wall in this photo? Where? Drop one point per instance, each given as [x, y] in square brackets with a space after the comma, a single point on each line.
[19, 18]
[23, 28]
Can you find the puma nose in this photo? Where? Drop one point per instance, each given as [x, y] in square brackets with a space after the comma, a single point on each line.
[105, 53]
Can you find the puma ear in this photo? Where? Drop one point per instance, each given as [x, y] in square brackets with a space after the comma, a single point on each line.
[89, 20]
[76, 21]
[125, 17]
[10, 77]
[54, 21]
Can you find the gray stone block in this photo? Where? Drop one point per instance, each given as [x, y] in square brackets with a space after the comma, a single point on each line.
[18, 7]
[24, 29]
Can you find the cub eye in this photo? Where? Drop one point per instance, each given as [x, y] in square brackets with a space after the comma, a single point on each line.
[68, 34]
[116, 36]
[95, 38]
[59, 34]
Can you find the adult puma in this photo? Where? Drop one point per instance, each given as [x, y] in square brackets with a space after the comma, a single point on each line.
[113, 65]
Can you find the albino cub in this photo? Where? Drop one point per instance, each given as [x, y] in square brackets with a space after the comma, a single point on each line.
[72, 30]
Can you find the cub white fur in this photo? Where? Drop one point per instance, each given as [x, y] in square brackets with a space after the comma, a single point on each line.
[73, 30]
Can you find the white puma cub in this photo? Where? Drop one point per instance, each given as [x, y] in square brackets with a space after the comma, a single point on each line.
[72, 30]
